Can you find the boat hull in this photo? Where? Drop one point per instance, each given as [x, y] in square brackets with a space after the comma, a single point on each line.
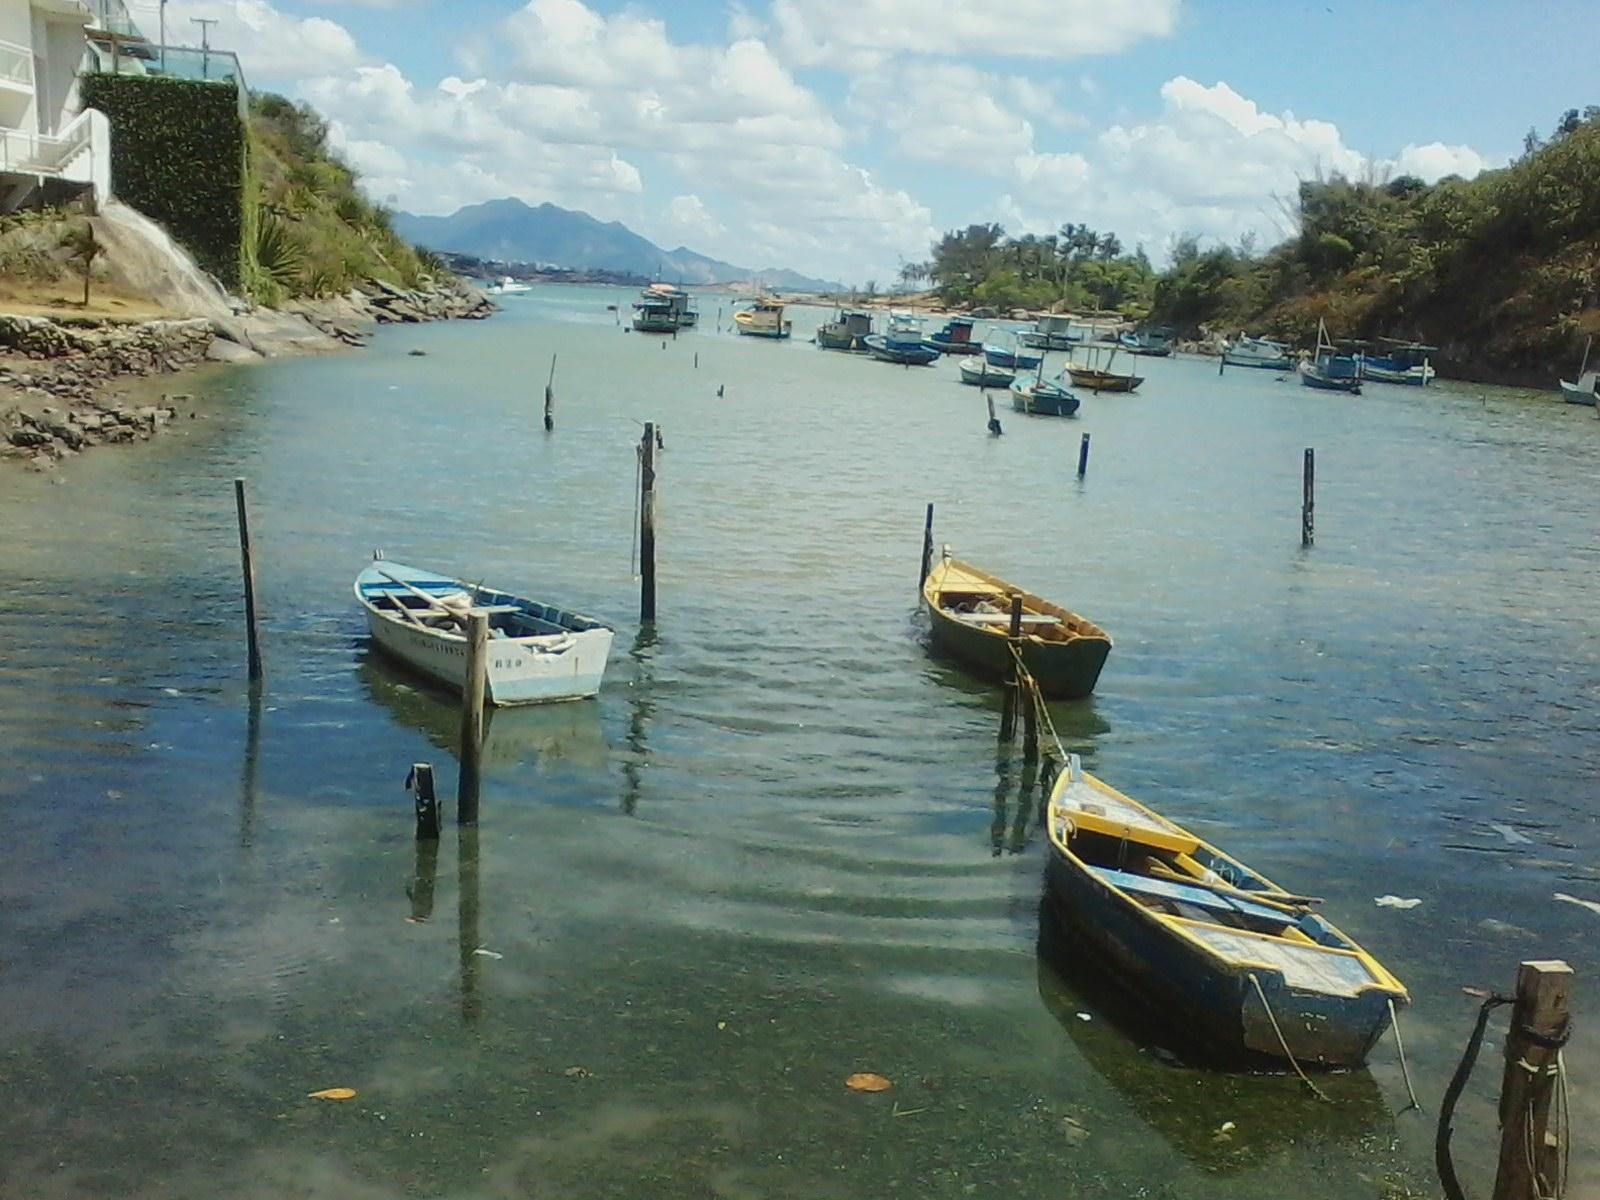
[830, 339]
[1312, 377]
[999, 356]
[1103, 381]
[907, 354]
[567, 665]
[980, 373]
[1035, 340]
[1412, 376]
[643, 324]
[1582, 392]
[1043, 399]
[1065, 670]
[1267, 360]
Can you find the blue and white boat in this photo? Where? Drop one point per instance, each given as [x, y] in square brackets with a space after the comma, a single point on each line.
[1246, 351]
[537, 652]
[979, 372]
[955, 337]
[903, 344]
[1404, 362]
[1330, 371]
[1043, 397]
[1053, 331]
[1000, 356]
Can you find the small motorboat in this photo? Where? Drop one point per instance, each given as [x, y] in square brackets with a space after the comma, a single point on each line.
[1149, 343]
[970, 614]
[979, 372]
[1042, 397]
[1059, 331]
[1583, 392]
[846, 331]
[537, 652]
[1091, 368]
[955, 337]
[763, 319]
[902, 344]
[1000, 356]
[507, 286]
[1403, 362]
[1328, 370]
[1246, 351]
[1246, 968]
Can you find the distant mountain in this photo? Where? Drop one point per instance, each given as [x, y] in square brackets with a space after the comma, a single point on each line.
[511, 231]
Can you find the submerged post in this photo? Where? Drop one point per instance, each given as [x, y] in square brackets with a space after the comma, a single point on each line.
[247, 560]
[647, 524]
[1083, 456]
[927, 546]
[1308, 502]
[472, 689]
[550, 398]
[994, 421]
[1008, 715]
[1530, 1154]
[427, 805]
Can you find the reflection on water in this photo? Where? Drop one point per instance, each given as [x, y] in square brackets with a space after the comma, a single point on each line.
[469, 944]
[640, 710]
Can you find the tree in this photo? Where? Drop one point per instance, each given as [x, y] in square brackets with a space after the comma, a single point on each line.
[81, 244]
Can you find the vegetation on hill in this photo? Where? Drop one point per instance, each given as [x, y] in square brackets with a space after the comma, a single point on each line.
[309, 230]
[1502, 272]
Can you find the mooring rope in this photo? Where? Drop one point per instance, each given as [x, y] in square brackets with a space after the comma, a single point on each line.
[1443, 1163]
[1287, 1053]
[1400, 1045]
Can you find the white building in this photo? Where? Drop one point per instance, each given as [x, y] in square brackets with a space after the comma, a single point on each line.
[44, 136]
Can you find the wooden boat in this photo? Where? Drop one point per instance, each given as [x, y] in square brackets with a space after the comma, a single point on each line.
[537, 652]
[662, 308]
[1403, 362]
[1042, 397]
[1148, 343]
[970, 611]
[846, 331]
[1052, 332]
[1092, 369]
[1246, 351]
[955, 337]
[1251, 969]
[764, 319]
[1582, 392]
[902, 344]
[1328, 370]
[999, 356]
[979, 372]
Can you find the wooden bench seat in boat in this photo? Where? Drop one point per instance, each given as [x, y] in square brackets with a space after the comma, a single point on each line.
[1196, 897]
[983, 618]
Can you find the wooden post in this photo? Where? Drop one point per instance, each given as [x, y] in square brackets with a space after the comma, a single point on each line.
[1083, 456]
[1222, 361]
[927, 546]
[697, 360]
[247, 560]
[472, 689]
[427, 805]
[994, 421]
[1308, 504]
[647, 524]
[1030, 728]
[1530, 1154]
[550, 398]
[1008, 715]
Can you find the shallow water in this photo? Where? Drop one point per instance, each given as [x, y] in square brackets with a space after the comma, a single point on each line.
[780, 847]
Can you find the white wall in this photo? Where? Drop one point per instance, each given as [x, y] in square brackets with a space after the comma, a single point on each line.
[17, 110]
[64, 46]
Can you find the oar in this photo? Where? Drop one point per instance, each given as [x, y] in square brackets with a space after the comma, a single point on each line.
[1286, 901]
[432, 601]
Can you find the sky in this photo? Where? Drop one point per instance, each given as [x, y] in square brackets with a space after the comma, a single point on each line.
[840, 137]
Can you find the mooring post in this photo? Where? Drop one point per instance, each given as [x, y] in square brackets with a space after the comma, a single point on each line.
[1222, 361]
[550, 398]
[647, 524]
[1530, 1154]
[427, 805]
[1030, 727]
[1008, 715]
[1083, 456]
[697, 360]
[472, 689]
[1308, 500]
[247, 559]
[994, 421]
[927, 546]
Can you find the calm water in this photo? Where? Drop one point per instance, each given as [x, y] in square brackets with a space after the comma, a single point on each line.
[780, 848]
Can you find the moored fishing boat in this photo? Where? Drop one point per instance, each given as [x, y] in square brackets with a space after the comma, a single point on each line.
[979, 372]
[1224, 951]
[1328, 370]
[1002, 356]
[537, 652]
[663, 308]
[1403, 362]
[846, 331]
[902, 344]
[1042, 397]
[763, 319]
[955, 337]
[1149, 343]
[969, 611]
[1246, 351]
[1583, 392]
[1052, 331]
[1090, 368]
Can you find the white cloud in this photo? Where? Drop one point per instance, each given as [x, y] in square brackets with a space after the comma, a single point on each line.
[945, 113]
[688, 218]
[270, 43]
[1434, 161]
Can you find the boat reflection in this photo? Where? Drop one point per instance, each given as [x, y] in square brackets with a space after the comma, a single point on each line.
[1220, 1120]
[537, 735]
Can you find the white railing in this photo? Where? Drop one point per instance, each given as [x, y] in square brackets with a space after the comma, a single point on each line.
[41, 153]
[16, 65]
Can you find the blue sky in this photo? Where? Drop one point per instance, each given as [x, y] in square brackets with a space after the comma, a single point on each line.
[838, 136]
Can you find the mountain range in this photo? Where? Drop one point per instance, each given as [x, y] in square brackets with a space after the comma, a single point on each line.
[513, 232]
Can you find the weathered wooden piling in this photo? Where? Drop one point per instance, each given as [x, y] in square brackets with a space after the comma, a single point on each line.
[1308, 500]
[424, 878]
[697, 360]
[1530, 1152]
[1030, 728]
[994, 421]
[427, 804]
[927, 546]
[550, 398]
[1222, 361]
[247, 562]
[472, 689]
[647, 524]
[1083, 456]
[1008, 714]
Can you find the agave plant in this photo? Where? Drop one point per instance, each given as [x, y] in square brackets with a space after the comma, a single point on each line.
[278, 252]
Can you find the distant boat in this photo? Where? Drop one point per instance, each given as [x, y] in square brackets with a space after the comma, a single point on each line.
[1582, 392]
[1403, 362]
[902, 343]
[999, 356]
[1091, 368]
[764, 319]
[1244, 967]
[1328, 370]
[507, 286]
[1052, 332]
[1257, 352]
[662, 308]
[955, 337]
[1151, 343]
[970, 615]
[1042, 397]
[537, 652]
[845, 331]
[979, 372]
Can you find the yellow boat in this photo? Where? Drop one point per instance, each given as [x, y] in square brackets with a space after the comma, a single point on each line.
[970, 611]
[1243, 966]
[764, 318]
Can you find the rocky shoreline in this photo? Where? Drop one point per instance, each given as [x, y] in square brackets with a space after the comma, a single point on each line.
[59, 375]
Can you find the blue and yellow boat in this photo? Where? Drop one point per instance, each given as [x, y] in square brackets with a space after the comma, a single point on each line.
[1248, 970]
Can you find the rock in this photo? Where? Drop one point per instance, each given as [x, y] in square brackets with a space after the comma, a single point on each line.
[28, 437]
[417, 353]
[223, 351]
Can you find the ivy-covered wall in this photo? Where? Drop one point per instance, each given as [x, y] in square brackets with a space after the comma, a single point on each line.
[178, 155]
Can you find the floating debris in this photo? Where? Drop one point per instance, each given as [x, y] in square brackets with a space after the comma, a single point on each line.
[1591, 905]
[488, 953]
[1392, 901]
[1510, 834]
[866, 1081]
[338, 1093]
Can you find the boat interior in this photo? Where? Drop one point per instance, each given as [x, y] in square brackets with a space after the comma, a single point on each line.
[444, 608]
[975, 601]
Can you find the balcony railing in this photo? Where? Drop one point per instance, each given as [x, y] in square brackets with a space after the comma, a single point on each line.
[40, 153]
[135, 56]
[16, 66]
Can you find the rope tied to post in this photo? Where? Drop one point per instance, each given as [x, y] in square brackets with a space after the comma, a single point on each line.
[1443, 1162]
